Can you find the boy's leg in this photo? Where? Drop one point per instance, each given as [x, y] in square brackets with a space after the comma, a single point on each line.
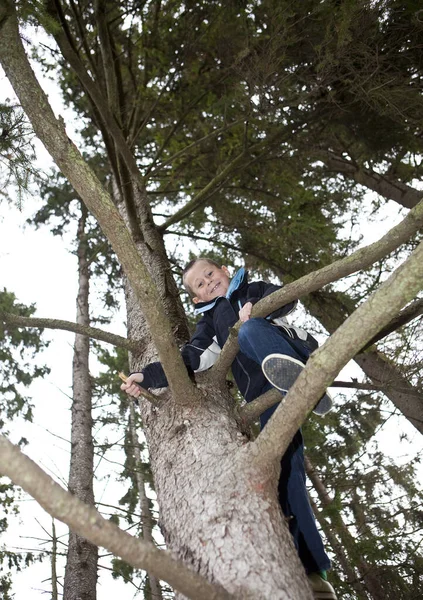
[293, 498]
[259, 340]
[295, 504]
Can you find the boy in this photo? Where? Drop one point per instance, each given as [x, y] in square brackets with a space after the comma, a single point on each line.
[272, 353]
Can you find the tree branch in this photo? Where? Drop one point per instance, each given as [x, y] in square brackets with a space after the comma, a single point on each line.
[408, 314]
[250, 412]
[327, 361]
[360, 259]
[51, 132]
[92, 332]
[87, 522]
[194, 144]
[387, 187]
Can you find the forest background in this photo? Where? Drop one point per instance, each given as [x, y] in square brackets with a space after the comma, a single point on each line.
[261, 127]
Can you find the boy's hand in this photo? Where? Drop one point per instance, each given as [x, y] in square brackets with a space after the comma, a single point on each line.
[130, 386]
[245, 312]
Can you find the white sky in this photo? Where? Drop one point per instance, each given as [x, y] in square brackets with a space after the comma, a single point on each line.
[38, 267]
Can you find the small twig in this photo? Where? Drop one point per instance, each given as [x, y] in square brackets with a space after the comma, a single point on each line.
[147, 395]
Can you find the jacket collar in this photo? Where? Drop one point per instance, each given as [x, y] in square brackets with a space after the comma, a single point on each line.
[236, 282]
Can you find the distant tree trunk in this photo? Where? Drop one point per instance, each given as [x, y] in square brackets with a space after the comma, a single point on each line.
[341, 556]
[81, 566]
[54, 595]
[366, 570]
[155, 591]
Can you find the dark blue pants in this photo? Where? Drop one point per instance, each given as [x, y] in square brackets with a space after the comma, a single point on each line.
[257, 339]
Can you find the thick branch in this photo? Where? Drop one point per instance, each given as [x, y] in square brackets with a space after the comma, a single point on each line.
[67, 157]
[87, 522]
[388, 188]
[91, 332]
[251, 411]
[327, 361]
[360, 259]
[408, 314]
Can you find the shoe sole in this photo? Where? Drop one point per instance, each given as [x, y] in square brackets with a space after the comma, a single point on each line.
[322, 589]
[282, 371]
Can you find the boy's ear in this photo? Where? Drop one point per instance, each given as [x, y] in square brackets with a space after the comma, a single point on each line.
[225, 270]
[196, 300]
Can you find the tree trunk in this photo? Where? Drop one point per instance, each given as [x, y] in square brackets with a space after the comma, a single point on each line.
[81, 566]
[218, 512]
[146, 517]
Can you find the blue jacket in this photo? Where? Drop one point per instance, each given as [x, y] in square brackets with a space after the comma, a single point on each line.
[212, 331]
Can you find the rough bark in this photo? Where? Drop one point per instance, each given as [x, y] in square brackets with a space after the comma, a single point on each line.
[81, 566]
[218, 512]
[146, 516]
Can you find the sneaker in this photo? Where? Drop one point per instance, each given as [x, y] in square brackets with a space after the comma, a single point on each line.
[322, 589]
[282, 371]
[324, 405]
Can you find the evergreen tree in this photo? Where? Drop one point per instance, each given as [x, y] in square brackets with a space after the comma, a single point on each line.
[227, 96]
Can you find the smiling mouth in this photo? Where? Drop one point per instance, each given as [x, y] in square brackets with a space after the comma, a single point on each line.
[215, 287]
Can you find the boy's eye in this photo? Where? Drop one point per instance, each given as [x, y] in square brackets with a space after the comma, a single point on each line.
[200, 284]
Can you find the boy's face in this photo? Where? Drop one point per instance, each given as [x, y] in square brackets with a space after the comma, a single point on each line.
[207, 281]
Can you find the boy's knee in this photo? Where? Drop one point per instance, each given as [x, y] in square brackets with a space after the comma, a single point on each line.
[249, 328]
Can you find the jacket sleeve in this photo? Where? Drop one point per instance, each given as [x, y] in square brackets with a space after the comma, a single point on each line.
[199, 354]
[265, 289]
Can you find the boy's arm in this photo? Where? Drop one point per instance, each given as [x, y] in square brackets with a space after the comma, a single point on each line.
[199, 354]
